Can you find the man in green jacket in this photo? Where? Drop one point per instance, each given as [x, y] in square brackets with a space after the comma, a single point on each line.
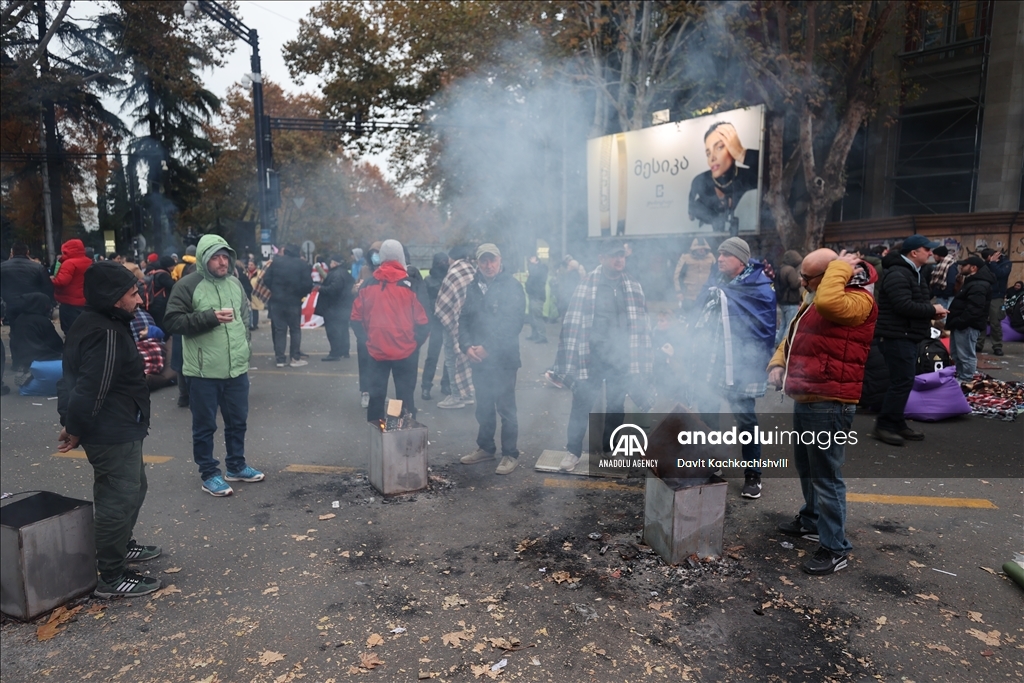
[209, 309]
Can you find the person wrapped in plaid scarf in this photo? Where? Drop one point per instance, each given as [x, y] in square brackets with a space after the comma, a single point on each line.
[605, 341]
[448, 307]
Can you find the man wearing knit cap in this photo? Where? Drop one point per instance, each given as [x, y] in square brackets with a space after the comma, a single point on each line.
[334, 304]
[103, 402]
[735, 330]
[389, 319]
[489, 326]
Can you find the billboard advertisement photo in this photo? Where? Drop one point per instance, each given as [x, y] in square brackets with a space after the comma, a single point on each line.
[699, 176]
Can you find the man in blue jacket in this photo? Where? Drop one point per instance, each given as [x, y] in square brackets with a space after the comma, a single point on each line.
[735, 327]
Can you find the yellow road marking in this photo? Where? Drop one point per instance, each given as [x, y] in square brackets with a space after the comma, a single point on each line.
[151, 459]
[921, 500]
[551, 482]
[320, 469]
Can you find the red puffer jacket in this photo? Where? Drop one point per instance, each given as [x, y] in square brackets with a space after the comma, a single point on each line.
[70, 279]
[828, 343]
[391, 315]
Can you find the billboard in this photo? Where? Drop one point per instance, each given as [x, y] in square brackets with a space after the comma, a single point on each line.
[699, 176]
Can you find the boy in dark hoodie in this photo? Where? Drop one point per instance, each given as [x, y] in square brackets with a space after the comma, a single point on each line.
[103, 403]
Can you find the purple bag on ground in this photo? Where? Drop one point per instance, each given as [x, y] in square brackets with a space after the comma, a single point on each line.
[936, 396]
[1010, 334]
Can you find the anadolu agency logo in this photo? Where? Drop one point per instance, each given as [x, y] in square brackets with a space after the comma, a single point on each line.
[628, 444]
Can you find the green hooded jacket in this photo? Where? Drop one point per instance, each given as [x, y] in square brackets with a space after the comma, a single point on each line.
[210, 349]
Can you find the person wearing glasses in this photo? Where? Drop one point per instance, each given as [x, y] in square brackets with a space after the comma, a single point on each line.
[820, 365]
[905, 313]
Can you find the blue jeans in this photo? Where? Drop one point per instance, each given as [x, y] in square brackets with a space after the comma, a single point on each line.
[821, 477]
[232, 397]
[901, 359]
[746, 419]
[788, 312]
[962, 349]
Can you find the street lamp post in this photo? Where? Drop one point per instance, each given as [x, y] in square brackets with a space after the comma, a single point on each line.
[267, 208]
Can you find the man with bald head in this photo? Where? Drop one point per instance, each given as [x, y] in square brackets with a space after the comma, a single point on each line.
[820, 365]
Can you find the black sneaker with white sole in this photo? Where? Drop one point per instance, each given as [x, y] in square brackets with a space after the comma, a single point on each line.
[129, 585]
[795, 528]
[825, 562]
[751, 486]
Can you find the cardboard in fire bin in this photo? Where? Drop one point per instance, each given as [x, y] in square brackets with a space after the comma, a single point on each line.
[398, 456]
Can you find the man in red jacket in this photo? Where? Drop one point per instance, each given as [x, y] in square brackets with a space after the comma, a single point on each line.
[388, 317]
[833, 330]
[69, 281]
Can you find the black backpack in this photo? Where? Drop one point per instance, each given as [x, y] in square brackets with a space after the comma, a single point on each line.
[932, 356]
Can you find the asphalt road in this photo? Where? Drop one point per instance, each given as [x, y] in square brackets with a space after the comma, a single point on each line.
[449, 582]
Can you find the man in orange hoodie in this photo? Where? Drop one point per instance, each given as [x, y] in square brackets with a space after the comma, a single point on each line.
[69, 281]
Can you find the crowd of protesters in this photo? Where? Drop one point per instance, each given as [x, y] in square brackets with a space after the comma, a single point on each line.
[738, 325]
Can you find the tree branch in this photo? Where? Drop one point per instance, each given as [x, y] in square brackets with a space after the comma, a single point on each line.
[40, 50]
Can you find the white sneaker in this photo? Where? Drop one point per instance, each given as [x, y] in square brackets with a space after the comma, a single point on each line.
[569, 462]
[298, 363]
[364, 400]
[506, 465]
[470, 400]
[450, 402]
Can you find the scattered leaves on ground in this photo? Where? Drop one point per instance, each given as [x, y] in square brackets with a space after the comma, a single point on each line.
[169, 589]
[453, 602]
[374, 640]
[268, 657]
[990, 638]
[369, 660]
[59, 616]
[329, 515]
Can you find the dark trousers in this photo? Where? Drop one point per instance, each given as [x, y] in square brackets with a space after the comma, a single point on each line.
[901, 359]
[536, 320]
[585, 395]
[496, 396]
[232, 397]
[434, 346]
[364, 359]
[742, 408]
[378, 372]
[820, 470]
[336, 325]
[68, 314]
[118, 490]
[286, 318]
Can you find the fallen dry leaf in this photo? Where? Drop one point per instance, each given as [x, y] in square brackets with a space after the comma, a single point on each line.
[369, 660]
[786, 581]
[272, 589]
[881, 622]
[344, 553]
[929, 596]
[172, 570]
[453, 602]
[374, 640]
[990, 571]
[268, 657]
[564, 577]
[990, 638]
[329, 515]
[59, 616]
[917, 564]
[479, 647]
[526, 543]
[940, 648]
[484, 670]
[504, 644]
[166, 590]
[975, 616]
[302, 537]
[455, 638]
[96, 608]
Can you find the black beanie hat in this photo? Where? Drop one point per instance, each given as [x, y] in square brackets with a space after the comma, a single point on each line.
[105, 283]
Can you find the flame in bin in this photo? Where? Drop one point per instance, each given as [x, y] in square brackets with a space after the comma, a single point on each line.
[383, 425]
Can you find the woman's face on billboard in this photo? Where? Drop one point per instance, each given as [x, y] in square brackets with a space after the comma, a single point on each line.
[719, 159]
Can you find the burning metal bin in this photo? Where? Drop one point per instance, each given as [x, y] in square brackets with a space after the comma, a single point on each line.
[47, 553]
[684, 516]
[398, 457]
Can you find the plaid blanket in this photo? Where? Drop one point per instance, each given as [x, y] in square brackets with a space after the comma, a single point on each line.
[151, 350]
[450, 299]
[573, 355]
